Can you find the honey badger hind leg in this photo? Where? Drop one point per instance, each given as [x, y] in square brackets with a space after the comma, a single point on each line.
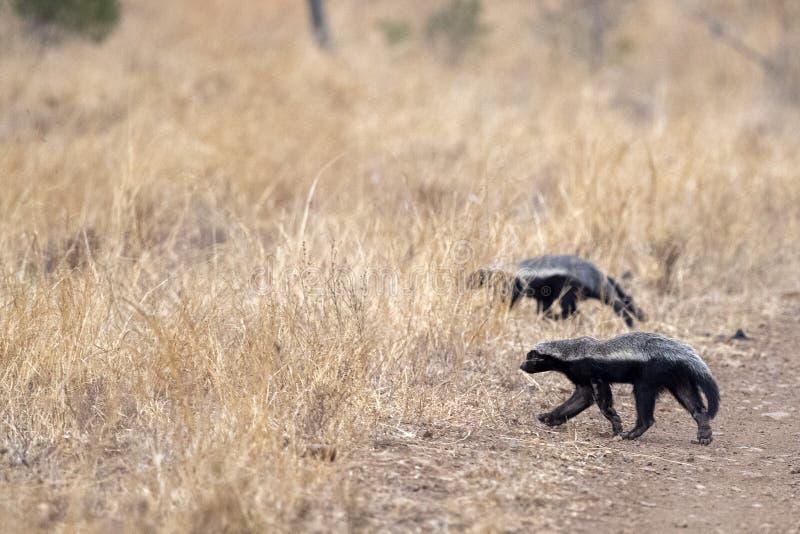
[610, 296]
[622, 310]
[688, 397]
[605, 401]
[624, 305]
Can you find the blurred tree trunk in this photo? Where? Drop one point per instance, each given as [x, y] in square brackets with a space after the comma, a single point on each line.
[319, 22]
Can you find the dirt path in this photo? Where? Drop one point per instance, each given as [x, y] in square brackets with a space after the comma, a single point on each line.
[516, 475]
[747, 480]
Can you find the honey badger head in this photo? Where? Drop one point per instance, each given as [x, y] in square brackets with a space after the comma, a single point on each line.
[536, 362]
[546, 356]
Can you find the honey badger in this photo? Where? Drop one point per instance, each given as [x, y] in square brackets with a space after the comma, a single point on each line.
[652, 363]
[565, 278]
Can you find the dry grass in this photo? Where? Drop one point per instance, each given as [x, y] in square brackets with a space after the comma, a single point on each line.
[221, 248]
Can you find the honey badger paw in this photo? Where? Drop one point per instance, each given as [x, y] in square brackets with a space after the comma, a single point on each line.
[551, 420]
[704, 436]
[616, 427]
[632, 434]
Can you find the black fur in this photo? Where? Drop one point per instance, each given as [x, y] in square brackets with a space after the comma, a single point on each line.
[650, 362]
[563, 278]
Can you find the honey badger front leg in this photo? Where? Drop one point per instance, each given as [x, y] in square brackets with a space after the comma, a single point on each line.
[579, 401]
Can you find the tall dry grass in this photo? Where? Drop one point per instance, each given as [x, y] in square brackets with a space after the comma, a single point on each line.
[227, 256]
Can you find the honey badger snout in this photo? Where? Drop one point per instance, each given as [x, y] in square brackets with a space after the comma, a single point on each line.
[532, 362]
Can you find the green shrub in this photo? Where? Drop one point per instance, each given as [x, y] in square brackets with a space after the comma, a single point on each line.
[458, 24]
[92, 18]
[395, 31]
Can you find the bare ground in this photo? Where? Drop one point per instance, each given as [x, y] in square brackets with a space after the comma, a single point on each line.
[516, 475]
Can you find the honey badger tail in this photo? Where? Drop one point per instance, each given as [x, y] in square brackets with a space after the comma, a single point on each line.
[711, 391]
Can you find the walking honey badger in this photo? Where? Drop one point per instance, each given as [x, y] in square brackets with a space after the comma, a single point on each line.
[652, 363]
[563, 278]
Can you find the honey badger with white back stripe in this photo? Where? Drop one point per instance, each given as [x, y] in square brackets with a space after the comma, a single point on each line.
[565, 278]
[652, 363]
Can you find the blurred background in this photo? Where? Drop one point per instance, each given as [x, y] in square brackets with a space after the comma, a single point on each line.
[160, 160]
[247, 100]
